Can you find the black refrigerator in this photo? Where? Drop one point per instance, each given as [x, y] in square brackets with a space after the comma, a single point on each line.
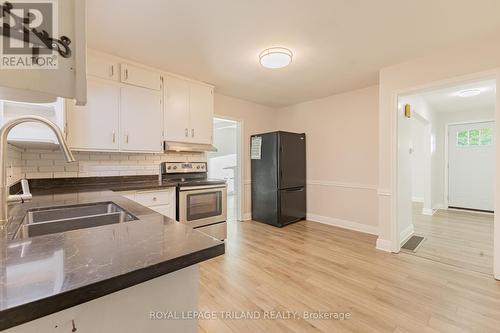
[278, 166]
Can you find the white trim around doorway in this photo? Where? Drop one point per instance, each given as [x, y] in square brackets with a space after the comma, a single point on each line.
[240, 204]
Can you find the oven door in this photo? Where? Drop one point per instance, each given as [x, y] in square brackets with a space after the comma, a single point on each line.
[202, 205]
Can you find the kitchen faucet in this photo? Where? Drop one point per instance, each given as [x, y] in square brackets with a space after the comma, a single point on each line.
[4, 132]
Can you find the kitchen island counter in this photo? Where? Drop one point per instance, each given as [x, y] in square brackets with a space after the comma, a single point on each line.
[46, 274]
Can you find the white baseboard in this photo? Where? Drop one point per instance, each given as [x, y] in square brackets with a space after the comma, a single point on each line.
[417, 199]
[439, 206]
[428, 211]
[368, 229]
[384, 245]
[407, 233]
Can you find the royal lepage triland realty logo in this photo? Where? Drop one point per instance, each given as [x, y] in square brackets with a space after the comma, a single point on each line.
[29, 32]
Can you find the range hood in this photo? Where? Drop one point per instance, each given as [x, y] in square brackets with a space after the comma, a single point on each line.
[184, 146]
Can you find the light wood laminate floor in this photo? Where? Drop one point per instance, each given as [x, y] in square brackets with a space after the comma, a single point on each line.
[309, 266]
[459, 238]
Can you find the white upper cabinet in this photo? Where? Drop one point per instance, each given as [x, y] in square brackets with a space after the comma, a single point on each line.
[201, 107]
[140, 77]
[141, 120]
[95, 126]
[189, 110]
[177, 126]
[103, 67]
[133, 109]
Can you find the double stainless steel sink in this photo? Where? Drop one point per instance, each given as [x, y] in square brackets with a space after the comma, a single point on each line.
[50, 220]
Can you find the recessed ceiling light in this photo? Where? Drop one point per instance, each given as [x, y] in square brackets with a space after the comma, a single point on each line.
[469, 93]
[275, 57]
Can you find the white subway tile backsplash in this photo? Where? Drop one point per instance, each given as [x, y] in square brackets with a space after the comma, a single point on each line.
[31, 175]
[99, 157]
[70, 167]
[118, 157]
[137, 157]
[52, 168]
[28, 156]
[36, 163]
[39, 162]
[128, 173]
[65, 174]
[82, 156]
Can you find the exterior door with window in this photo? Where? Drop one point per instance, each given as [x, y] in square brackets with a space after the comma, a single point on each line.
[471, 166]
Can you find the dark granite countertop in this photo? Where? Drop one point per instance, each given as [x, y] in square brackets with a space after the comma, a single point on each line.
[46, 274]
[86, 184]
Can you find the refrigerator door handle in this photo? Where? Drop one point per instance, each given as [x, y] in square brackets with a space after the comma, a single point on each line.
[295, 189]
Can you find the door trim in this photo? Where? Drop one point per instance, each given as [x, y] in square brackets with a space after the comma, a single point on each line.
[446, 155]
[240, 200]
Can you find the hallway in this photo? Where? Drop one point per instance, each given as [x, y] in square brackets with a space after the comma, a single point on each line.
[459, 238]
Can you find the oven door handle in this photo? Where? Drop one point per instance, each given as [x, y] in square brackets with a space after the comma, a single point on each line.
[206, 187]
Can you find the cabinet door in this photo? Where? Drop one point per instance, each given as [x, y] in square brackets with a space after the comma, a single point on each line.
[141, 120]
[95, 125]
[102, 67]
[201, 109]
[177, 126]
[140, 77]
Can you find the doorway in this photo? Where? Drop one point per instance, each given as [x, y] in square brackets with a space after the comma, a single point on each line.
[446, 172]
[225, 163]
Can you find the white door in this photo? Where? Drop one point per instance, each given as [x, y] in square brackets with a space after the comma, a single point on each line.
[176, 109]
[471, 165]
[201, 108]
[141, 119]
[95, 125]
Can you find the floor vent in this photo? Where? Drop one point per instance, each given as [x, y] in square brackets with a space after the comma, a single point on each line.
[413, 243]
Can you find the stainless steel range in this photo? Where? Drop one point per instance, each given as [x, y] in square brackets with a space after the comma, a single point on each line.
[201, 201]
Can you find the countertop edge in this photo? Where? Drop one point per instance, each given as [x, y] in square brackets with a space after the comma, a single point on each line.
[49, 305]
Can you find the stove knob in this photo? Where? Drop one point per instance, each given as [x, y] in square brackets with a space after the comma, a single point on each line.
[175, 167]
[198, 167]
[203, 167]
[169, 167]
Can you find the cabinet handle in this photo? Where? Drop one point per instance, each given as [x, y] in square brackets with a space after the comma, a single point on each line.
[186, 132]
[126, 138]
[126, 74]
[192, 132]
[112, 71]
[114, 136]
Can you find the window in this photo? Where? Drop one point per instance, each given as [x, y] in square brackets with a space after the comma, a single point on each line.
[486, 136]
[475, 137]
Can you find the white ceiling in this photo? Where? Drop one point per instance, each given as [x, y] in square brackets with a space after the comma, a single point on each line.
[338, 45]
[448, 100]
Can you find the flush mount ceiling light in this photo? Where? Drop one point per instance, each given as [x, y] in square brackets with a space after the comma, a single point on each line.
[469, 93]
[275, 57]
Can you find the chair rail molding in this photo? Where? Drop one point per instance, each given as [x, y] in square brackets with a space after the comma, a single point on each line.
[341, 184]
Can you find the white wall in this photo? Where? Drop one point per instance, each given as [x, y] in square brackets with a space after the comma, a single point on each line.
[255, 119]
[418, 158]
[341, 156]
[466, 61]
